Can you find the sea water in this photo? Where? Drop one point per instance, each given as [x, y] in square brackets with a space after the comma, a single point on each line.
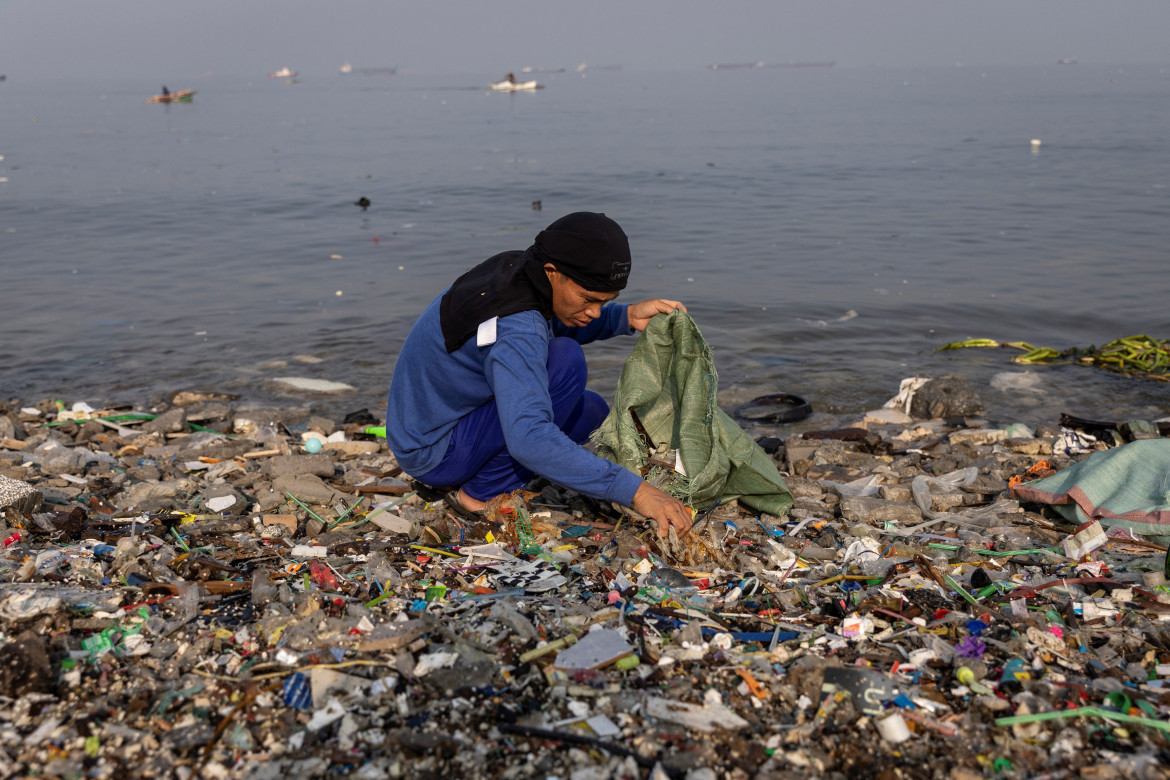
[828, 228]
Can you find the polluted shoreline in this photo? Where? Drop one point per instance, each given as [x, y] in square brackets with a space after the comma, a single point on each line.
[205, 590]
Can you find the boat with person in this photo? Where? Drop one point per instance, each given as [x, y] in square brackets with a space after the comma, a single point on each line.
[515, 86]
[182, 96]
[283, 73]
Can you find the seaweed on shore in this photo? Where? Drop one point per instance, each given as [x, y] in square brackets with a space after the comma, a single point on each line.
[1134, 356]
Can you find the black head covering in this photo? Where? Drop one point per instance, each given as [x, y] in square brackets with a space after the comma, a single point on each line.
[588, 248]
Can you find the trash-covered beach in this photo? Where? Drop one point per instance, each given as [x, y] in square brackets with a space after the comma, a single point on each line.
[201, 590]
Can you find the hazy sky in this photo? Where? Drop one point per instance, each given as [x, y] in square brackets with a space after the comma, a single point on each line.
[163, 39]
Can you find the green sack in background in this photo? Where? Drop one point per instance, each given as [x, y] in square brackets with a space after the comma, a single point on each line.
[669, 380]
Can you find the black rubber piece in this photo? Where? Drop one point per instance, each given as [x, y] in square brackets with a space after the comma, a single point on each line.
[776, 408]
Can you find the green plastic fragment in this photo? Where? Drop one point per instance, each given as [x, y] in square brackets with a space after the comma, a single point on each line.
[528, 543]
[179, 539]
[627, 663]
[306, 508]
[98, 644]
[959, 589]
[1083, 712]
[345, 514]
[983, 593]
[378, 600]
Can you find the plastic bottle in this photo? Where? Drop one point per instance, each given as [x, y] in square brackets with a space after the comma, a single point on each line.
[671, 579]
[188, 602]
[264, 589]
[380, 569]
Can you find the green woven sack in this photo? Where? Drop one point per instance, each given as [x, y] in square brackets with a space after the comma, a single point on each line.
[670, 382]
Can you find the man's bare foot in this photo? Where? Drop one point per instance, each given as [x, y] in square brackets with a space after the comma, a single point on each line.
[469, 503]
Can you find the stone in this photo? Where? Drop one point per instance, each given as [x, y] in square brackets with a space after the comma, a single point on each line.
[319, 465]
[944, 397]
[10, 429]
[189, 397]
[804, 488]
[205, 412]
[24, 666]
[876, 510]
[887, 417]
[144, 490]
[224, 498]
[171, 421]
[977, 437]
[63, 460]
[353, 447]
[899, 493]
[322, 424]
[307, 488]
[1029, 446]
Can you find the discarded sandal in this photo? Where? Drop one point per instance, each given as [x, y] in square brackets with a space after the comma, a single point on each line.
[470, 515]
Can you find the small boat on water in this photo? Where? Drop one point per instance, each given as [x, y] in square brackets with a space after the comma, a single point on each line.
[283, 73]
[182, 96]
[348, 70]
[515, 86]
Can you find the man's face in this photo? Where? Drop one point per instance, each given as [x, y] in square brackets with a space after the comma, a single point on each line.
[573, 305]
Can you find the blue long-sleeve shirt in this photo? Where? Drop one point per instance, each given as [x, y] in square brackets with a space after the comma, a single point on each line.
[432, 390]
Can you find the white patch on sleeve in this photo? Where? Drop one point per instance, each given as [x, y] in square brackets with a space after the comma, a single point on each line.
[486, 335]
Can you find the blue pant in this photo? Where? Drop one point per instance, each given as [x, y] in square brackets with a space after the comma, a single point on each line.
[477, 459]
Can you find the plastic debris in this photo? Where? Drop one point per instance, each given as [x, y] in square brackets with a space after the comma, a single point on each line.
[205, 598]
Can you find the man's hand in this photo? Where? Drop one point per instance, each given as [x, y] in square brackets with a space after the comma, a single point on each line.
[640, 314]
[665, 509]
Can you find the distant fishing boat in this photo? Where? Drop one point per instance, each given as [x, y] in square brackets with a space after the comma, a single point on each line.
[348, 70]
[182, 96]
[283, 73]
[515, 86]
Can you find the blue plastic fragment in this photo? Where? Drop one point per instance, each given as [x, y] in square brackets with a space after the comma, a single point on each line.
[903, 701]
[752, 636]
[771, 531]
[296, 692]
[976, 627]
